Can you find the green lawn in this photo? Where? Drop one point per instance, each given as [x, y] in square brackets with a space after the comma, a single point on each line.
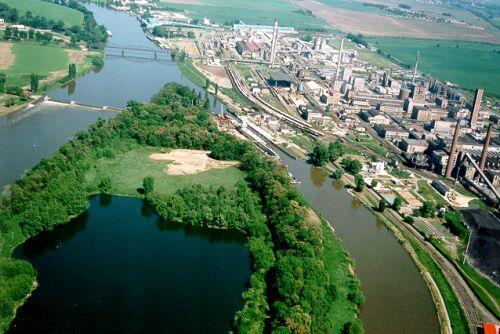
[262, 12]
[428, 192]
[34, 58]
[468, 64]
[50, 11]
[128, 170]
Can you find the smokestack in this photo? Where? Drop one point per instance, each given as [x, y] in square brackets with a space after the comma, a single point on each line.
[415, 69]
[453, 151]
[338, 62]
[484, 154]
[273, 43]
[474, 114]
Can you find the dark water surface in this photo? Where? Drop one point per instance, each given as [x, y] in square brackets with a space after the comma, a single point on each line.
[397, 299]
[118, 269]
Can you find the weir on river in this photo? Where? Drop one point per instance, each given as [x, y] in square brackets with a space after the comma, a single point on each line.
[397, 300]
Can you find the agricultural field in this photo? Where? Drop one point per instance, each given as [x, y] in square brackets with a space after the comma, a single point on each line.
[51, 11]
[261, 12]
[469, 65]
[356, 17]
[127, 171]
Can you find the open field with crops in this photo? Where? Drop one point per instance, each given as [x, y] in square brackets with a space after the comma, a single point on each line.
[467, 64]
[356, 17]
[50, 11]
[261, 12]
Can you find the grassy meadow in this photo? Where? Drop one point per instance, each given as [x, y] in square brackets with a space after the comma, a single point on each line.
[33, 58]
[51, 11]
[467, 64]
[262, 12]
[127, 171]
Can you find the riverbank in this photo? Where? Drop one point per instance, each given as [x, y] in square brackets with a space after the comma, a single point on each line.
[451, 314]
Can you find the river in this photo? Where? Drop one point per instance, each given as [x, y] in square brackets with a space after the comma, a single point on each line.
[397, 298]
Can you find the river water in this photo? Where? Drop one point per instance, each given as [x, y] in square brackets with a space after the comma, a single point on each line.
[397, 298]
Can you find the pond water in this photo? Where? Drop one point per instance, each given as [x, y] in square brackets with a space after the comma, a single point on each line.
[120, 269]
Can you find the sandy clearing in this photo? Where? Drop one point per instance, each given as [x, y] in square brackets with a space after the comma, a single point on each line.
[75, 56]
[185, 162]
[216, 74]
[189, 47]
[6, 55]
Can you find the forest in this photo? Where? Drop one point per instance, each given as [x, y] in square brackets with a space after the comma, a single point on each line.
[289, 290]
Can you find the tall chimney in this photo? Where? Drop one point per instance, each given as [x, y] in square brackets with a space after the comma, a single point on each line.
[453, 151]
[415, 69]
[273, 43]
[474, 114]
[484, 154]
[339, 61]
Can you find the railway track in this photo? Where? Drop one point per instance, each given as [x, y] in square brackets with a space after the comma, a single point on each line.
[474, 310]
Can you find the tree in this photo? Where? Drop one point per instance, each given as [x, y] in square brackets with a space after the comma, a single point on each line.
[3, 82]
[323, 99]
[374, 183]
[337, 175]
[206, 105]
[319, 155]
[398, 201]
[105, 185]
[191, 34]
[207, 84]
[34, 82]
[72, 71]
[360, 183]
[382, 205]
[428, 209]
[409, 220]
[216, 87]
[148, 184]
[336, 150]
[352, 166]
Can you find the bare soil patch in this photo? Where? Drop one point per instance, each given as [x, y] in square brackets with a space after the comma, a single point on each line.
[6, 55]
[216, 74]
[75, 56]
[185, 162]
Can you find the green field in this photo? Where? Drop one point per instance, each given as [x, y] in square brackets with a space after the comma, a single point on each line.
[262, 12]
[128, 170]
[50, 11]
[470, 65]
[33, 58]
[428, 192]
